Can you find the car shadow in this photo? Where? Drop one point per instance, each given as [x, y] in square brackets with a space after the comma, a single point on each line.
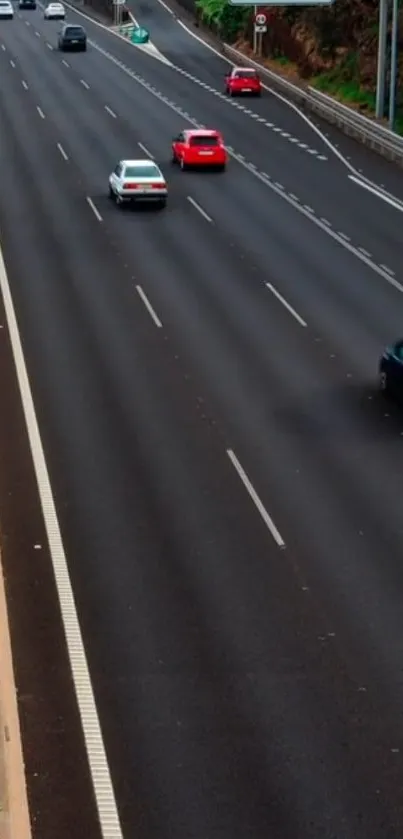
[339, 414]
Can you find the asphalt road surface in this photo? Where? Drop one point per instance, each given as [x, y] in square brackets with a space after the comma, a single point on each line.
[228, 482]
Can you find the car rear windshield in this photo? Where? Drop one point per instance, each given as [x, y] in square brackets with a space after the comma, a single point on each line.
[141, 171]
[74, 31]
[246, 74]
[204, 140]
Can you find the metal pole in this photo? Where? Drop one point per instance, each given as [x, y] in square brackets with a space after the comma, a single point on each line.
[380, 82]
[393, 64]
[254, 32]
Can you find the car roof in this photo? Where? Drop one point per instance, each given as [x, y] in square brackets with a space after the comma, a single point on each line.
[253, 69]
[201, 132]
[142, 162]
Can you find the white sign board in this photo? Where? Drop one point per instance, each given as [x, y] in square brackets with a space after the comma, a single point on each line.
[119, 2]
[259, 28]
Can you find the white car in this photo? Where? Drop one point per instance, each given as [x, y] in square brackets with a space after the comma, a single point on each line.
[138, 180]
[54, 11]
[6, 10]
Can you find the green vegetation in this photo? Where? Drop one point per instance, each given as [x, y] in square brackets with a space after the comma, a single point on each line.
[228, 21]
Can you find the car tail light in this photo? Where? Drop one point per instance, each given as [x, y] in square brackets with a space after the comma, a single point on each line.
[159, 186]
[129, 185]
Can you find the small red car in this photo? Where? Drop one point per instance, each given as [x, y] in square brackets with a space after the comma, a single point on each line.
[199, 148]
[243, 80]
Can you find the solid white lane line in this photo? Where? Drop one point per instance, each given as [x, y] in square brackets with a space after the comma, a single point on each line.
[40, 112]
[96, 212]
[110, 827]
[145, 150]
[256, 500]
[12, 63]
[62, 151]
[66, 64]
[286, 305]
[199, 209]
[388, 199]
[112, 113]
[84, 84]
[148, 306]
[24, 84]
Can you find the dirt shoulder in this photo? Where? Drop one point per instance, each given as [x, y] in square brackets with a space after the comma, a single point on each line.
[14, 814]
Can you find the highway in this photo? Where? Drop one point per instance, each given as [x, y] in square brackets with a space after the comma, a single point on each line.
[227, 479]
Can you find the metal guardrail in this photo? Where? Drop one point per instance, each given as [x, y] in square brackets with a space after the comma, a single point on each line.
[366, 131]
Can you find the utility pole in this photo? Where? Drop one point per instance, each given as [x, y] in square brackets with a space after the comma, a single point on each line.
[393, 63]
[380, 82]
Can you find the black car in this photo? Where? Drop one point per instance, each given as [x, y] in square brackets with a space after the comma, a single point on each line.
[27, 4]
[391, 370]
[72, 37]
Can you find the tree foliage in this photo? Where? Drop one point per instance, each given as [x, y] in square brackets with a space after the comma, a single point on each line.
[229, 21]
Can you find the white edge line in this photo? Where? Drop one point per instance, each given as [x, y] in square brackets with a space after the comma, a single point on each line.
[199, 209]
[256, 500]
[286, 305]
[386, 198]
[148, 306]
[311, 217]
[167, 9]
[94, 209]
[145, 150]
[98, 763]
[62, 151]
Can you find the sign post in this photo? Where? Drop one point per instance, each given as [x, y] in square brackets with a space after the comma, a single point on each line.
[117, 11]
[259, 28]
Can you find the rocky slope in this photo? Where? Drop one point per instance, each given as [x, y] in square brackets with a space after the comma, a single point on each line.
[335, 48]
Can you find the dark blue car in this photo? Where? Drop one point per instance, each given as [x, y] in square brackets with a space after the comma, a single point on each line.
[391, 370]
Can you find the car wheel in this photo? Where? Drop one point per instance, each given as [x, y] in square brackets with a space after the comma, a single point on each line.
[161, 204]
[174, 159]
[118, 200]
[183, 164]
[221, 168]
[111, 192]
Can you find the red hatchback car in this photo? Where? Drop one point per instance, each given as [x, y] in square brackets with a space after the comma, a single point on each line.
[243, 80]
[199, 148]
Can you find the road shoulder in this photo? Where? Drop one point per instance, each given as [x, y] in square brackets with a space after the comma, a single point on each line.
[14, 813]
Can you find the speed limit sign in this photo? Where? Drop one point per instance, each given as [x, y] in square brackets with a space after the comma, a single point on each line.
[260, 19]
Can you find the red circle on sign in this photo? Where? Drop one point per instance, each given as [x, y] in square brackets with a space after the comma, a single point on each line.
[260, 18]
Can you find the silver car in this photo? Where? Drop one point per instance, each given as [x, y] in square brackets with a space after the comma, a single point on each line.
[138, 180]
[6, 10]
[54, 11]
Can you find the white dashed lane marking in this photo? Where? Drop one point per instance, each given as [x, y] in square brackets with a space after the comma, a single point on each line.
[253, 115]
